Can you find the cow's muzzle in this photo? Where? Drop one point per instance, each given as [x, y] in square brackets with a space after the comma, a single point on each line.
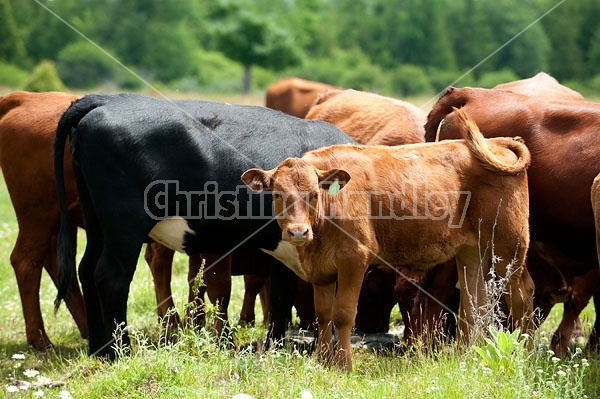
[297, 234]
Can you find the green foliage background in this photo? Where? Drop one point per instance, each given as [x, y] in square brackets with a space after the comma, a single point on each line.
[395, 47]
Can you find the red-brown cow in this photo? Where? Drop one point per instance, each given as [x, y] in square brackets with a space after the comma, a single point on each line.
[563, 137]
[27, 125]
[370, 118]
[294, 96]
[417, 206]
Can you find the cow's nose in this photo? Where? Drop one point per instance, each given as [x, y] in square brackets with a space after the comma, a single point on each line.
[298, 233]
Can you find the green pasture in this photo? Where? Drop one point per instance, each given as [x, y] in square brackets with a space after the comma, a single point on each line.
[195, 366]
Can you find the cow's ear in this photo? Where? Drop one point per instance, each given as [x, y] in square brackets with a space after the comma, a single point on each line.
[258, 179]
[333, 180]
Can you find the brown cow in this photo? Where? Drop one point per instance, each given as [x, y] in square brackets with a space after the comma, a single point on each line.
[407, 206]
[551, 286]
[563, 137]
[27, 125]
[294, 96]
[370, 118]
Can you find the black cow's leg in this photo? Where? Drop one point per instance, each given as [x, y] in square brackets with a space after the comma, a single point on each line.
[113, 277]
[283, 292]
[87, 267]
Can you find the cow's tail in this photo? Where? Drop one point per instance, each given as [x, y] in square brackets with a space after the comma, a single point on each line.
[67, 236]
[481, 149]
[450, 99]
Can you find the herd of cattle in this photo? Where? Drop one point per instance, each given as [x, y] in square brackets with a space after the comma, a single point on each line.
[367, 198]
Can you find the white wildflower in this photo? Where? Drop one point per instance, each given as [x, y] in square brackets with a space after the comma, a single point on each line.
[12, 388]
[43, 380]
[65, 395]
[550, 352]
[30, 373]
[555, 359]
[39, 393]
[242, 396]
[561, 373]
[305, 394]
[18, 356]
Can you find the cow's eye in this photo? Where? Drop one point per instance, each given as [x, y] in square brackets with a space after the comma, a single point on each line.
[276, 196]
[314, 195]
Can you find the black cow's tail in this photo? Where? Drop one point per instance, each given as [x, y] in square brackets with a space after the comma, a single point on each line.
[67, 236]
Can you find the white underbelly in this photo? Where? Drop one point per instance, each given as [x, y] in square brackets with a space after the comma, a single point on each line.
[287, 254]
[171, 232]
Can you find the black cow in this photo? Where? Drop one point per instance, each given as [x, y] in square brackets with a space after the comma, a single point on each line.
[149, 168]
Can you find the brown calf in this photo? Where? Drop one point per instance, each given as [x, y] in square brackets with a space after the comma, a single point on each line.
[563, 137]
[377, 120]
[294, 96]
[415, 206]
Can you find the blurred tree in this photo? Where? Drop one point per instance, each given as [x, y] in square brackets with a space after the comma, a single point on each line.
[528, 53]
[254, 40]
[472, 37]
[81, 65]
[44, 78]
[12, 46]
[563, 25]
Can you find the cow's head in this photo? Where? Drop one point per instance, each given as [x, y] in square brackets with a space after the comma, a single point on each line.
[298, 189]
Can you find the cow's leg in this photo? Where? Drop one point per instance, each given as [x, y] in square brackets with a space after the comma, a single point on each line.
[283, 292]
[323, 296]
[305, 306]
[407, 296]
[113, 276]
[471, 276]
[74, 300]
[594, 341]
[265, 300]
[195, 314]
[584, 287]
[519, 288]
[345, 305]
[217, 278]
[27, 259]
[160, 261]
[440, 311]
[216, 282]
[98, 336]
[253, 284]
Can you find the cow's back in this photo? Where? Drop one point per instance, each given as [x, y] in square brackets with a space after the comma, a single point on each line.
[542, 86]
[370, 118]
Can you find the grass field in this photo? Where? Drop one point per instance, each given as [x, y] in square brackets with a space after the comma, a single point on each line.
[196, 367]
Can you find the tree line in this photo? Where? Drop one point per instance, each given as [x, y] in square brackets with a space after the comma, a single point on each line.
[395, 47]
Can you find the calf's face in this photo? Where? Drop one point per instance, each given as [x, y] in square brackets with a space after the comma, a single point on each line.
[298, 189]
